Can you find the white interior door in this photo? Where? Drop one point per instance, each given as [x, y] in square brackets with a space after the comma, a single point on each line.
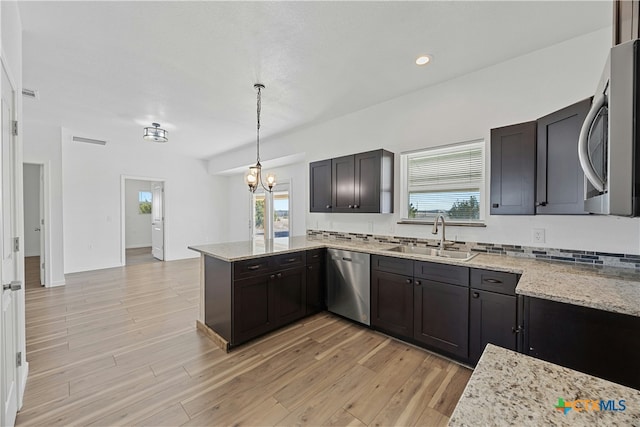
[41, 226]
[8, 328]
[157, 220]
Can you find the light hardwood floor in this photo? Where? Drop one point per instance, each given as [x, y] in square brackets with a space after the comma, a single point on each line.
[139, 256]
[120, 347]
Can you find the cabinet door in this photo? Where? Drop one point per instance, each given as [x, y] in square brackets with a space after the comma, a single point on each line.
[343, 188]
[513, 169]
[596, 342]
[560, 180]
[315, 287]
[441, 316]
[320, 186]
[392, 303]
[367, 181]
[492, 319]
[253, 308]
[291, 295]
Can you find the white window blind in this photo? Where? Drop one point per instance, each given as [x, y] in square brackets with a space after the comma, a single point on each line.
[446, 181]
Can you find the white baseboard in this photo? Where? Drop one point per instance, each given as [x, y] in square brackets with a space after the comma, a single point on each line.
[57, 283]
[139, 246]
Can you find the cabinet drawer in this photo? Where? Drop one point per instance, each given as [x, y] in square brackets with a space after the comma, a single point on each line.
[251, 267]
[392, 265]
[315, 255]
[443, 273]
[494, 281]
[295, 259]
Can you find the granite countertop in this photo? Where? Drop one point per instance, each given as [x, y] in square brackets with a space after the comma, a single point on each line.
[604, 288]
[509, 388]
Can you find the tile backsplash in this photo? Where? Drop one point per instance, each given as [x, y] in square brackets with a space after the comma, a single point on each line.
[548, 254]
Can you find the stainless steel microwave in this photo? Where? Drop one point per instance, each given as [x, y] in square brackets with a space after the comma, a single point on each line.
[608, 145]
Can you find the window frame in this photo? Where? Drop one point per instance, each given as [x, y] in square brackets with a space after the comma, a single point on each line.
[404, 184]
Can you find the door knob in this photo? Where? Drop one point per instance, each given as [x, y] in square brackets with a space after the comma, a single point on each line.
[476, 295]
[36, 229]
[13, 286]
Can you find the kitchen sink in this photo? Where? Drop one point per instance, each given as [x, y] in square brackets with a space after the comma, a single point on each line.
[433, 252]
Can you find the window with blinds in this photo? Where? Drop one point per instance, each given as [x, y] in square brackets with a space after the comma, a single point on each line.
[447, 181]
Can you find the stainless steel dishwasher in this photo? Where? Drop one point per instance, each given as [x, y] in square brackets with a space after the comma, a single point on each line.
[348, 285]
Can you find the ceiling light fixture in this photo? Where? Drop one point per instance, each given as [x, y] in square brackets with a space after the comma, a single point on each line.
[423, 60]
[155, 133]
[254, 176]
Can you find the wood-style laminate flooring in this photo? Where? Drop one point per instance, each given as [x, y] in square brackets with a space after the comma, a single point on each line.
[139, 256]
[120, 347]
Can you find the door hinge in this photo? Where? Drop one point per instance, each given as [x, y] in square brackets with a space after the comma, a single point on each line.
[42, 266]
[19, 359]
[14, 128]
[16, 244]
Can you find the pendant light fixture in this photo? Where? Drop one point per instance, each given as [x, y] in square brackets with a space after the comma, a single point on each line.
[253, 178]
[155, 133]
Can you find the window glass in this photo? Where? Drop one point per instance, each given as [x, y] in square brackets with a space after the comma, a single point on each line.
[144, 202]
[444, 181]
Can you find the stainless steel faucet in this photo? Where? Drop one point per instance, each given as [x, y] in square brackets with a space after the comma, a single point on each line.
[435, 230]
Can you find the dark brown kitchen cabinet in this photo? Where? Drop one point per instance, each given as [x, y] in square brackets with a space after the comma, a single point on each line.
[290, 295]
[513, 169]
[424, 302]
[254, 307]
[343, 188]
[248, 298]
[320, 186]
[358, 183]
[441, 317]
[626, 20]
[315, 281]
[560, 180]
[492, 311]
[392, 303]
[267, 301]
[599, 343]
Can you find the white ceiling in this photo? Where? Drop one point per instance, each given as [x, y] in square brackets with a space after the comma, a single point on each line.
[106, 69]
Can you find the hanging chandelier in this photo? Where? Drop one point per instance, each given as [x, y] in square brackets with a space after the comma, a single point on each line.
[253, 178]
[155, 133]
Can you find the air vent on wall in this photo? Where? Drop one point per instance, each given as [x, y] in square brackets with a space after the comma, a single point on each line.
[30, 93]
[89, 140]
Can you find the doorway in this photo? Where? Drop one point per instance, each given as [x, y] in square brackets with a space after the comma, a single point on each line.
[142, 220]
[34, 224]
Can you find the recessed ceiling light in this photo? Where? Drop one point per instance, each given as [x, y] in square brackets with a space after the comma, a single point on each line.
[423, 60]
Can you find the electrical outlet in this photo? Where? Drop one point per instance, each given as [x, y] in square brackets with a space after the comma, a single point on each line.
[538, 235]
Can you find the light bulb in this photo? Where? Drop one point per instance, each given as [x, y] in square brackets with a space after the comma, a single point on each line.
[271, 180]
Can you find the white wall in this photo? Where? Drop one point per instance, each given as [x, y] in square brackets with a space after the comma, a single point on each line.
[195, 207]
[31, 185]
[42, 146]
[137, 225]
[463, 109]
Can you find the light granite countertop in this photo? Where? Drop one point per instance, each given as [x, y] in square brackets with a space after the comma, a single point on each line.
[509, 388]
[604, 288]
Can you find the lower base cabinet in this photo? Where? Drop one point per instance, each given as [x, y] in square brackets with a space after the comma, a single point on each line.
[249, 298]
[392, 303]
[428, 305]
[596, 342]
[441, 316]
[492, 319]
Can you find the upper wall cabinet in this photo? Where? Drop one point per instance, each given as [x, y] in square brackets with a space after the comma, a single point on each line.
[626, 20]
[320, 184]
[513, 169]
[560, 180]
[357, 183]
